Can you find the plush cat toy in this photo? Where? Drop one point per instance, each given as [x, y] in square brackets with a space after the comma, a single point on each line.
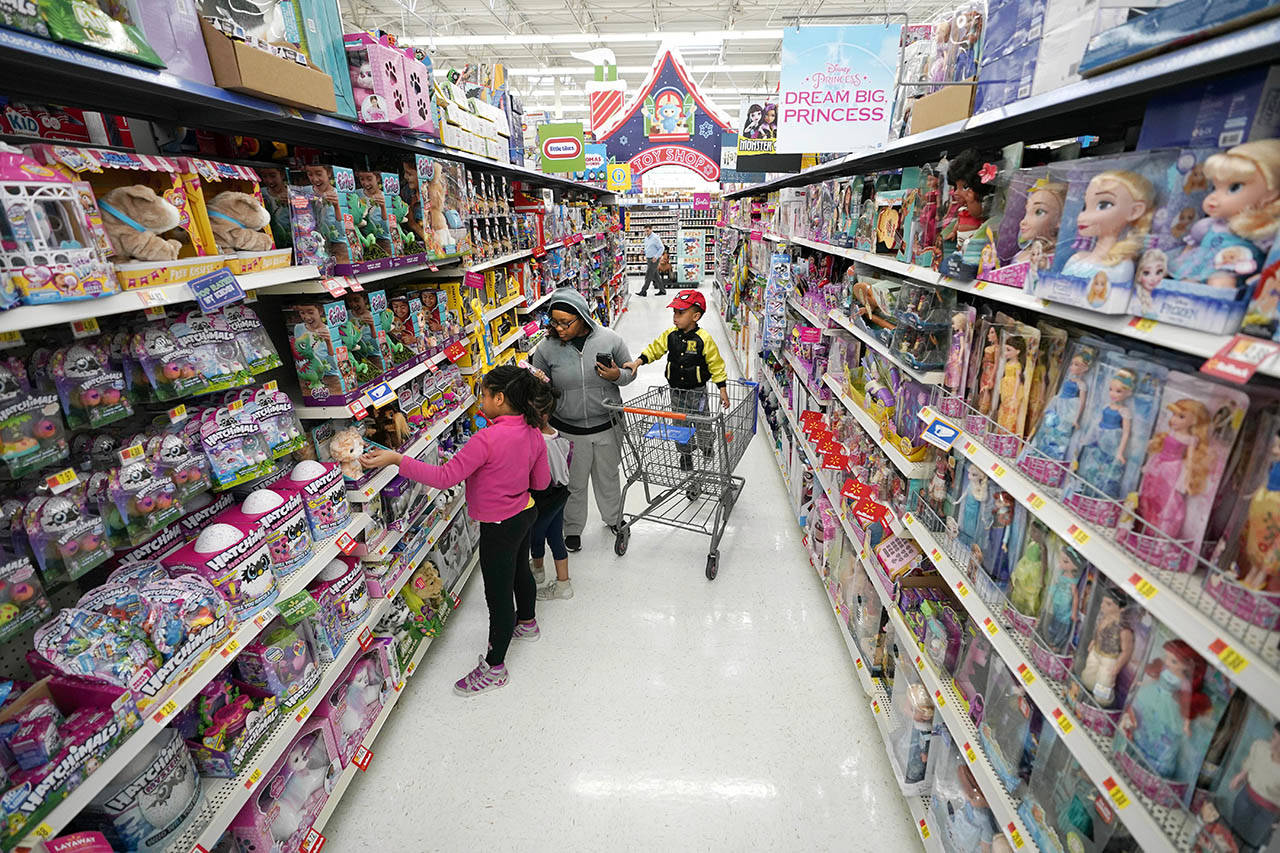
[134, 217]
[345, 447]
[238, 220]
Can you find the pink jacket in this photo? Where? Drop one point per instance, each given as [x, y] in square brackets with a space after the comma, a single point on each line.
[500, 463]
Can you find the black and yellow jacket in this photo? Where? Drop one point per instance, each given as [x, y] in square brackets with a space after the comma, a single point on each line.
[692, 359]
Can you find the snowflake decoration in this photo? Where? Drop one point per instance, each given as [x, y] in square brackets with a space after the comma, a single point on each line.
[622, 139]
[704, 130]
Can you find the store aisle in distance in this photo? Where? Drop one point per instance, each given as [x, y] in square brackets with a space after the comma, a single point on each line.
[657, 711]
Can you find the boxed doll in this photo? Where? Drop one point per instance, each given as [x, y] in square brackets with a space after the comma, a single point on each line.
[1106, 222]
[1068, 582]
[1114, 633]
[445, 205]
[1027, 236]
[142, 199]
[292, 792]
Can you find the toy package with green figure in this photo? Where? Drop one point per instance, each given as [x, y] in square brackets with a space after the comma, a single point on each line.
[324, 345]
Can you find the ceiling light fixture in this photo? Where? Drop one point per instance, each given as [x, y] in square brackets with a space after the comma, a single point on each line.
[677, 38]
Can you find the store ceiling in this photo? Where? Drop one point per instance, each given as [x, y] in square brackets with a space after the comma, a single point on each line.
[534, 38]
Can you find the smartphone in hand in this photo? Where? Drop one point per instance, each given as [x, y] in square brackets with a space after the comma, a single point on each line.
[604, 359]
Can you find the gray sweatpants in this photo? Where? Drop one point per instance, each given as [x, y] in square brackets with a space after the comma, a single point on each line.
[597, 457]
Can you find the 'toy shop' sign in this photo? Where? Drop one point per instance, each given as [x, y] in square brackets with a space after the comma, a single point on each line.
[562, 147]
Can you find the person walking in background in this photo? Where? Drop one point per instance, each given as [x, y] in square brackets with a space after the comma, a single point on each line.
[653, 251]
[502, 465]
[583, 360]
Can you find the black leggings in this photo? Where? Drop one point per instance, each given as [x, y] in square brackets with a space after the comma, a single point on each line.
[504, 564]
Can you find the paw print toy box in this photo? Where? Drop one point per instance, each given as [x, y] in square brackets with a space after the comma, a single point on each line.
[378, 80]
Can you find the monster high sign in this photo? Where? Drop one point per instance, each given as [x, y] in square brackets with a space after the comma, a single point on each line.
[667, 122]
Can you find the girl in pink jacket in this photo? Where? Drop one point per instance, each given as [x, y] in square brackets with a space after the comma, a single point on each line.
[500, 464]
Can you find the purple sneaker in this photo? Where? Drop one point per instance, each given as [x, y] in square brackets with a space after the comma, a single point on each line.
[481, 679]
[526, 631]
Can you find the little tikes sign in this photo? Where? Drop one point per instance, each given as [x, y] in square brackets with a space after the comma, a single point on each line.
[561, 147]
[836, 90]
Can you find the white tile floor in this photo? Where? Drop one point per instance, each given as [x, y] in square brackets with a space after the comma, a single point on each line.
[658, 711]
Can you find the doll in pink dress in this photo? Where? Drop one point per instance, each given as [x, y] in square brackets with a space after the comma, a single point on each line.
[1179, 465]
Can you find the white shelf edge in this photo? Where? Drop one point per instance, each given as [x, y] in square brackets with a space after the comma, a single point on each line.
[806, 312]
[499, 310]
[397, 381]
[910, 470]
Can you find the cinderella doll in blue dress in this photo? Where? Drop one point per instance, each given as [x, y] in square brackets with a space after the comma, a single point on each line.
[1101, 461]
[1062, 416]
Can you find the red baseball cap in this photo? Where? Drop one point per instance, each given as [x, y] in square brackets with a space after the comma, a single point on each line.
[689, 299]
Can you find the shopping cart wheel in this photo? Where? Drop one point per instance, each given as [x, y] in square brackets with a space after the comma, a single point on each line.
[713, 565]
[621, 541]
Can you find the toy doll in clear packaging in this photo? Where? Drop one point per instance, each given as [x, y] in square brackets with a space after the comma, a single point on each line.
[1179, 466]
[1247, 792]
[1060, 610]
[1171, 717]
[972, 505]
[954, 372]
[1061, 418]
[1258, 562]
[1000, 535]
[1110, 648]
[1026, 582]
[985, 390]
[1101, 460]
[1013, 352]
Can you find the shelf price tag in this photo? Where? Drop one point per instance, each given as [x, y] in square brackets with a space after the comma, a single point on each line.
[130, 453]
[1078, 533]
[969, 446]
[1014, 835]
[232, 646]
[1035, 500]
[919, 663]
[1145, 588]
[362, 757]
[1062, 720]
[61, 481]
[165, 710]
[937, 697]
[997, 469]
[875, 705]
[253, 778]
[969, 754]
[85, 328]
[334, 286]
[1024, 672]
[991, 626]
[346, 543]
[313, 842]
[1230, 658]
[302, 714]
[924, 829]
[153, 312]
[1143, 325]
[365, 639]
[857, 662]
[357, 410]
[1115, 792]
[962, 589]
[11, 339]
[178, 413]
[411, 668]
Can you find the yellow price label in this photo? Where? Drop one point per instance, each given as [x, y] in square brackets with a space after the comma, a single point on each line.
[232, 646]
[924, 830]
[409, 670]
[1015, 836]
[962, 589]
[1063, 721]
[1035, 500]
[919, 663]
[991, 626]
[302, 714]
[997, 469]
[1230, 658]
[1078, 533]
[132, 452]
[969, 446]
[969, 753]
[178, 413]
[84, 328]
[858, 663]
[235, 405]
[61, 481]
[43, 831]
[1143, 324]
[261, 618]
[937, 697]
[254, 777]
[1116, 793]
[1145, 588]
[168, 708]
[11, 339]
[1024, 671]
[909, 518]
[980, 286]
[400, 685]
[154, 312]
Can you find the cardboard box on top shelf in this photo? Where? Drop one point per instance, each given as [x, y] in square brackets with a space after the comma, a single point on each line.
[1068, 27]
[1219, 113]
[948, 104]
[241, 68]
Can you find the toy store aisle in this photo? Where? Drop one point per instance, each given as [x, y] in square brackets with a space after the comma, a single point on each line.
[658, 710]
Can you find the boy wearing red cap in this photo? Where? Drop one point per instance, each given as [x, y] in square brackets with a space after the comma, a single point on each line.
[692, 359]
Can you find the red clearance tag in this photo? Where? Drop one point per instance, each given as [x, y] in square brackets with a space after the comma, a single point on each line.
[362, 758]
[365, 639]
[346, 543]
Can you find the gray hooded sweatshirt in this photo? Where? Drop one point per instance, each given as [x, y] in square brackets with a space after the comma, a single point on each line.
[583, 392]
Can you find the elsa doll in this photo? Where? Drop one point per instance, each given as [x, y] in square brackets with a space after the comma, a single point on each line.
[1101, 461]
[1241, 221]
[1117, 213]
[975, 497]
[1152, 268]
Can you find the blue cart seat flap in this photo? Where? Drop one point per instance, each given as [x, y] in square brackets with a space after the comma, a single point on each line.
[661, 430]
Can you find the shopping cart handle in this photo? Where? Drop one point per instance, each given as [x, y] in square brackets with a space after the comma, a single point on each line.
[657, 413]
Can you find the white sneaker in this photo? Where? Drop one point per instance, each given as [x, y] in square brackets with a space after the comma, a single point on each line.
[556, 589]
[539, 574]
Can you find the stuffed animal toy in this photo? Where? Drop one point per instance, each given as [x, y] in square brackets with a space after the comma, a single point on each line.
[345, 447]
[361, 74]
[238, 220]
[134, 217]
[424, 593]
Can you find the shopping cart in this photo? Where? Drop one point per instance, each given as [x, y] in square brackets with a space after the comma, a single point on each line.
[682, 447]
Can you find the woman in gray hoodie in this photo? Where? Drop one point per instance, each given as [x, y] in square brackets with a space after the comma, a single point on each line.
[583, 361]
